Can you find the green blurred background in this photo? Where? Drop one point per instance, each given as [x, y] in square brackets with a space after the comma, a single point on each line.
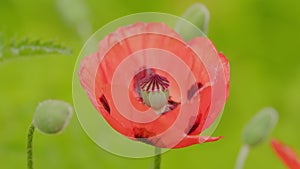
[259, 37]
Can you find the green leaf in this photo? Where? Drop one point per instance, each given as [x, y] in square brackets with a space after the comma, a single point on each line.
[26, 47]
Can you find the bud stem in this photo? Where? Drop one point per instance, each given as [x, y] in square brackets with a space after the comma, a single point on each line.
[242, 156]
[29, 146]
[157, 158]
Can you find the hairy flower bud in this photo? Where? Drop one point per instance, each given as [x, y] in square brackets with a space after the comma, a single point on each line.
[198, 15]
[52, 116]
[260, 126]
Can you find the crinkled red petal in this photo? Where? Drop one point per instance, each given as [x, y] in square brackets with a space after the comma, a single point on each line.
[97, 70]
[286, 154]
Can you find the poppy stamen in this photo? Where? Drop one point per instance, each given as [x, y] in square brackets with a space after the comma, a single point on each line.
[155, 92]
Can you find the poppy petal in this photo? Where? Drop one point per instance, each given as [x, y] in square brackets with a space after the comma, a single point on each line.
[226, 68]
[215, 65]
[205, 96]
[191, 140]
[286, 154]
[87, 73]
[206, 74]
[153, 41]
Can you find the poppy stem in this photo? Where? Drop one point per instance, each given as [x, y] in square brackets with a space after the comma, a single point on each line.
[29, 146]
[157, 158]
[242, 157]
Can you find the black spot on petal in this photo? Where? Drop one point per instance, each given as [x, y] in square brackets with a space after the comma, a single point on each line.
[195, 124]
[172, 104]
[104, 103]
[141, 134]
[193, 128]
[194, 88]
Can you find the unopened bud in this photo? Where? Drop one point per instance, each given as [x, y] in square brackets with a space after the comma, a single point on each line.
[260, 126]
[198, 15]
[52, 116]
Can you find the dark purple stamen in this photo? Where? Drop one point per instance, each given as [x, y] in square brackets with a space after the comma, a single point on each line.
[172, 105]
[154, 82]
[145, 73]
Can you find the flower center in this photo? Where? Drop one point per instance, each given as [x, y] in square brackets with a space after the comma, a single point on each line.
[155, 92]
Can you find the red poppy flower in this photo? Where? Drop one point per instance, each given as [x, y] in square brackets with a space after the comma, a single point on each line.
[152, 86]
[286, 154]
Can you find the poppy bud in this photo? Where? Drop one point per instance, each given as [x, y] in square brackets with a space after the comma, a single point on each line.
[260, 126]
[52, 116]
[198, 15]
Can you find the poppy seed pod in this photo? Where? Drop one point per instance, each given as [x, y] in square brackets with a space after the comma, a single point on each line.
[52, 116]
